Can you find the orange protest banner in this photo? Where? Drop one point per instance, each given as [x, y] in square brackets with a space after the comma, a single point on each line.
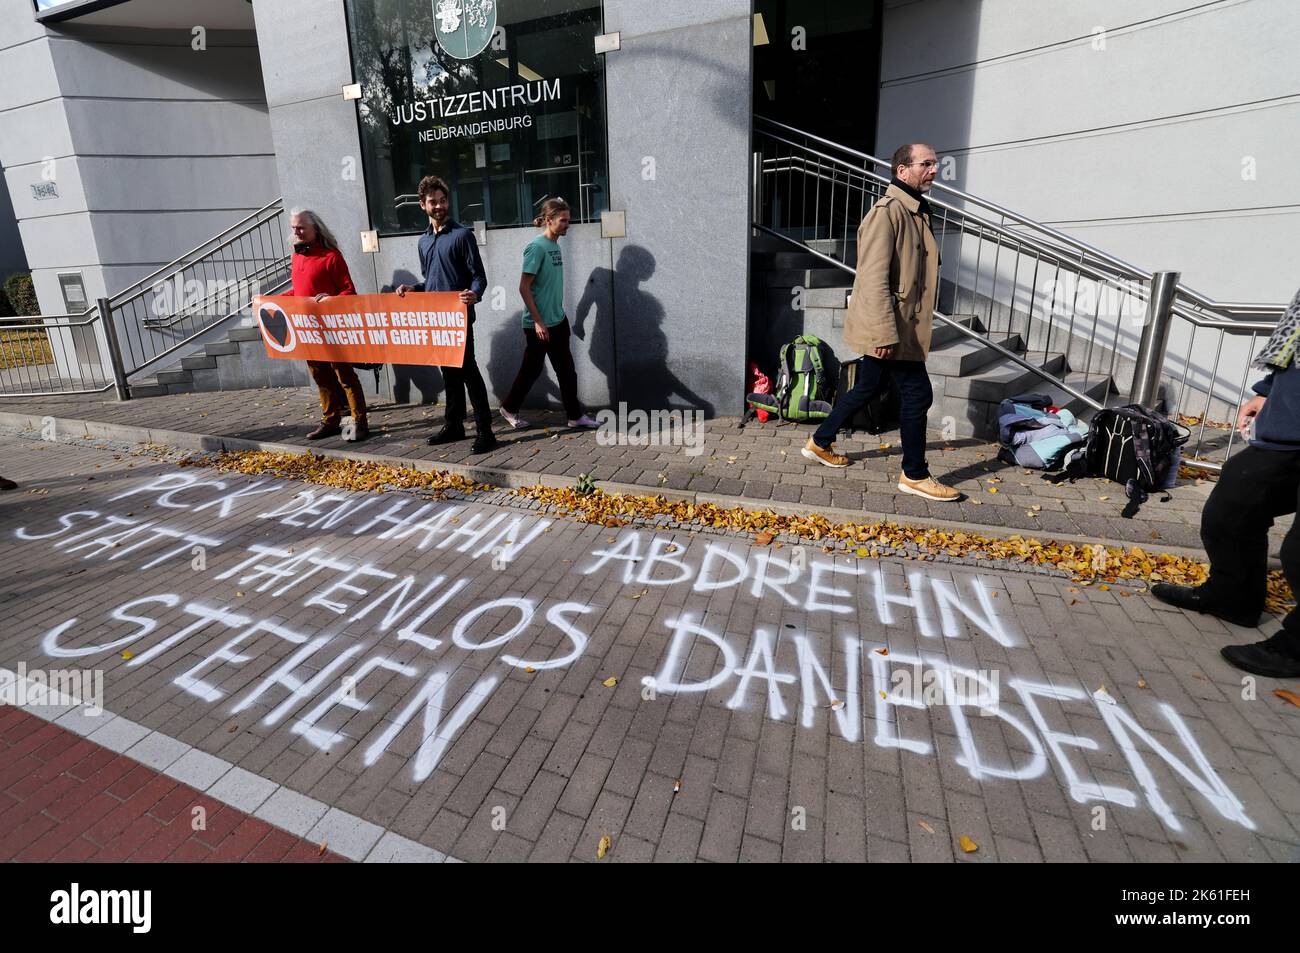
[420, 328]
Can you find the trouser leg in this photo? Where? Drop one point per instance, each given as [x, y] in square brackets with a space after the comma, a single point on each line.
[915, 395]
[873, 377]
[471, 379]
[331, 393]
[1255, 487]
[529, 370]
[351, 387]
[566, 375]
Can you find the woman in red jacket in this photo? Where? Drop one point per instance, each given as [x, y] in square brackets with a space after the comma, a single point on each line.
[320, 272]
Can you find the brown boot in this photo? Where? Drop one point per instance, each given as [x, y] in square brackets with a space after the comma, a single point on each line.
[325, 430]
[825, 457]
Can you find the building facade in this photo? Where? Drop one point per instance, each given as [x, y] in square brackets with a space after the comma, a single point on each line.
[1163, 131]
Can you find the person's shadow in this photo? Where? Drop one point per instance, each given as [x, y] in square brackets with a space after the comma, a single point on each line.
[636, 367]
[426, 378]
[505, 354]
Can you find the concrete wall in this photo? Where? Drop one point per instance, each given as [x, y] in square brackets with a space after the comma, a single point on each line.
[667, 305]
[154, 146]
[1134, 140]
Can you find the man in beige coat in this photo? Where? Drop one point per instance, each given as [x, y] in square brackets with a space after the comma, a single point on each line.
[889, 319]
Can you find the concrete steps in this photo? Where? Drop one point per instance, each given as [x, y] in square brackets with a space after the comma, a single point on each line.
[969, 376]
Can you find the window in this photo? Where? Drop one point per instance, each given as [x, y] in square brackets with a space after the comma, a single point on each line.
[504, 99]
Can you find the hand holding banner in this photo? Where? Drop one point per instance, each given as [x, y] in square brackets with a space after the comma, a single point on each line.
[424, 327]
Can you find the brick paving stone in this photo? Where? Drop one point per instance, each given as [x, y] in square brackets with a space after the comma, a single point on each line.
[762, 776]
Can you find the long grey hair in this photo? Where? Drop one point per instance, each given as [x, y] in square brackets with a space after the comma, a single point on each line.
[323, 234]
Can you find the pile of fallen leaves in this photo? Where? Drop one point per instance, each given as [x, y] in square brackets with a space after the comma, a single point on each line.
[1083, 562]
[876, 539]
[1187, 421]
[362, 476]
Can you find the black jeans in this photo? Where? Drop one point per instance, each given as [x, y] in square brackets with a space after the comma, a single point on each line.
[915, 396]
[1255, 487]
[566, 375]
[467, 377]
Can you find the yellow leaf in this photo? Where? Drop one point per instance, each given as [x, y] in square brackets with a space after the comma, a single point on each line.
[529, 669]
[763, 538]
[610, 682]
[1142, 683]
[882, 651]
[603, 847]
[862, 552]
[1104, 588]
[126, 653]
[883, 695]
[323, 846]
[968, 845]
[926, 827]
[993, 489]
[1285, 695]
[1103, 498]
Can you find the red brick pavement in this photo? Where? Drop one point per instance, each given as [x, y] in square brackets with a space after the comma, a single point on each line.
[63, 798]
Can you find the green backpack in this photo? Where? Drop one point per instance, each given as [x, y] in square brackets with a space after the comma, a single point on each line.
[803, 392]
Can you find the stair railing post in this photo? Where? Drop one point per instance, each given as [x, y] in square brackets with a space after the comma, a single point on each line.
[756, 192]
[114, 349]
[1155, 339]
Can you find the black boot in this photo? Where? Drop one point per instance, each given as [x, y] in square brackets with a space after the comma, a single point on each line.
[1196, 599]
[448, 434]
[1262, 659]
[484, 442]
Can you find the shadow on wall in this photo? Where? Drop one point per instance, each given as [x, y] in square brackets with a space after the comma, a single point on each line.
[637, 369]
[427, 379]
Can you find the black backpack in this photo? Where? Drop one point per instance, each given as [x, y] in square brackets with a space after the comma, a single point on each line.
[1137, 447]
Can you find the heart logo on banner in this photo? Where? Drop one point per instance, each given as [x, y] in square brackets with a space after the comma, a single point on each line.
[275, 323]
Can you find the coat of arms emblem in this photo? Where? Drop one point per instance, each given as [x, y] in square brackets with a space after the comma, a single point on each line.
[464, 27]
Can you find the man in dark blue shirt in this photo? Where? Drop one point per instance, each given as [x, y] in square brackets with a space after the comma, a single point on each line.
[1256, 486]
[449, 261]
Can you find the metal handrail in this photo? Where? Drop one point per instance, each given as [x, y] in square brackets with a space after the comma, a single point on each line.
[162, 323]
[93, 317]
[197, 334]
[969, 332]
[119, 297]
[998, 230]
[1062, 237]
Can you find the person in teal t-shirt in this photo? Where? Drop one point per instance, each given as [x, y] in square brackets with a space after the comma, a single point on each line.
[546, 328]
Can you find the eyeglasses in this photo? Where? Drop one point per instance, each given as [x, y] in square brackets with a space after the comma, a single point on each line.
[930, 164]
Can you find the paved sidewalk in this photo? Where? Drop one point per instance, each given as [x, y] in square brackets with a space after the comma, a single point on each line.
[759, 464]
[491, 683]
[66, 799]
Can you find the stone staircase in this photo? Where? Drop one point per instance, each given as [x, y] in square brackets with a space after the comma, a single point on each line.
[969, 377]
[237, 361]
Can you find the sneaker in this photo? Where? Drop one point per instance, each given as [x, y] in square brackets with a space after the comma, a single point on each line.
[325, 430]
[1262, 659]
[584, 421]
[513, 420]
[1197, 599]
[826, 457]
[928, 488]
[447, 435]
[484, 443]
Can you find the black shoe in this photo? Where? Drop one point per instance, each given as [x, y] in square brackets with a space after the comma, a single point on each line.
[484, 443]
[447, 435]
[361, 433]
[7, 484]
[1196, 600]
[325, 430]
[1262, 659]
